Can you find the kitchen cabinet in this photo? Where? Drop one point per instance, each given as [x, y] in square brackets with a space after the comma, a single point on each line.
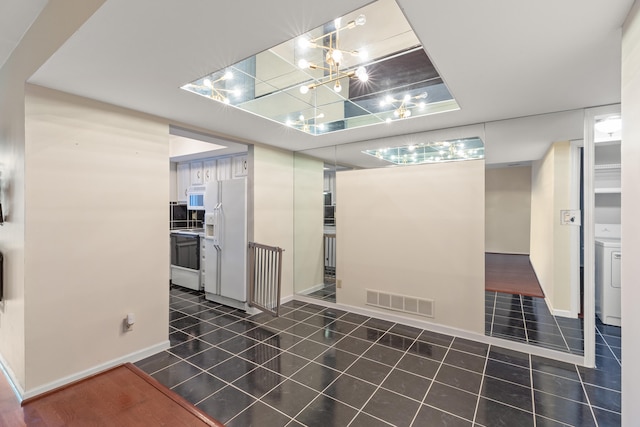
[224, 169]
[209, 171]
[240, 166]
[196, 173]
[183, 181]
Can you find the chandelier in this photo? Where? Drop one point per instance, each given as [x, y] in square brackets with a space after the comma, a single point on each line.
[218, 93]
[330, 42]
[309, 125]
[402, 107]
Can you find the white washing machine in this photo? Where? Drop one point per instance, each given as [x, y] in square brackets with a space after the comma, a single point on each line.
[608, 283]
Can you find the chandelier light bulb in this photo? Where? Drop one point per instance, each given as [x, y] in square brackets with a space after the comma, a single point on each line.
[227, 76]
[207, 83]
[304, 89]
[407, 114]
[412, 147]
[361, 73]
[225, 100]
[337, 87]
[407, 98]
[303, 42]
[289, 122]
[303, 63]
[336, 54]
[396, 113]
[321, 126]
[421, 104]
[389, 99]
[383, 103]
[361, 20]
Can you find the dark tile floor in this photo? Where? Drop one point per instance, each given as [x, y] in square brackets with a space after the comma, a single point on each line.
[528, 319]
[327, 293]
[315, 366]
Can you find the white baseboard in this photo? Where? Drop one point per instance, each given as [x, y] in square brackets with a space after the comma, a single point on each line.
[564, 313]
[312, 289]
[11, 377]
[286, 299]
[131, 357]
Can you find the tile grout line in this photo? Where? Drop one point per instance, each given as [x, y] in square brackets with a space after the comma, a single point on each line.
[385, 377]
[608, 346]
[584, 390]
[555, 321]
[264, 367]
[341, 372]
[435, 374]
[533, 393]
[524, 321]
[493, 314]
[484, 370]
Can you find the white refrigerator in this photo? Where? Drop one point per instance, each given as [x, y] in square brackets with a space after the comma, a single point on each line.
[225, 242]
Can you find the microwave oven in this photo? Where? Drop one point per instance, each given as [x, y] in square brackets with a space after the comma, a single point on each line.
[195, 197]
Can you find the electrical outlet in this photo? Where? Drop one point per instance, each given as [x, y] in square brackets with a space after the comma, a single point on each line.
[338, 283]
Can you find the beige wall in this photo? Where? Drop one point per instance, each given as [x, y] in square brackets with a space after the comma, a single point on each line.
[507, 209]
[416, 231]
[97, 181]
[58, 20]
[272, 213]
[551, 242]
[308, 222]
[630, 214]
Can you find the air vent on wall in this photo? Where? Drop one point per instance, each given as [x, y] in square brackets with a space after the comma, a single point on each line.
[406, 304]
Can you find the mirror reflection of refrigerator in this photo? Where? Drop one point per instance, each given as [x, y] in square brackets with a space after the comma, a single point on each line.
[225, 242]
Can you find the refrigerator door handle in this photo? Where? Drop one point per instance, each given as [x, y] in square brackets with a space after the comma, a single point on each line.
[217, 229]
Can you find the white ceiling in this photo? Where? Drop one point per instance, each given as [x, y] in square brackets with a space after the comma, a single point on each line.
[500, 59]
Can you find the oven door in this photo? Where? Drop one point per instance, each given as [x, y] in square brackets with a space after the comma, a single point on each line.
[185, 250]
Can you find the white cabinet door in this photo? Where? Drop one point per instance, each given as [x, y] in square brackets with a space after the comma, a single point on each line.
[240, 166]
[184, 180]
[196, 173]
[224, 169]
[209, 171]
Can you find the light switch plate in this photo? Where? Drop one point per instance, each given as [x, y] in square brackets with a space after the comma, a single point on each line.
[570, 217]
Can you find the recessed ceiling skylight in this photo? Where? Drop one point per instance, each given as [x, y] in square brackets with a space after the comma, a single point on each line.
[367, 67]
[431, 152]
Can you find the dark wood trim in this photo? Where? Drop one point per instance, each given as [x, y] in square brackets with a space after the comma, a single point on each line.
[173, 396]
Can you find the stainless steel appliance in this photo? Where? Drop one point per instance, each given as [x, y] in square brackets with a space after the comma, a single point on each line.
[185, 258]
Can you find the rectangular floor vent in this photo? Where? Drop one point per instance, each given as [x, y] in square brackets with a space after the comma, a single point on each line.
[406, 304]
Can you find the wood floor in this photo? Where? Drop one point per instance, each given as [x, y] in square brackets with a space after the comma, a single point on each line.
[122, 396]
[512, 274]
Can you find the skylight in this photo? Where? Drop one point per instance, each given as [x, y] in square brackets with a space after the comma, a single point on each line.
[367, 67]
[431, 152]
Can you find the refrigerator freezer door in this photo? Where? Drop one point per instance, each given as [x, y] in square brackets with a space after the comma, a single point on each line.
[233, 255]
[212, 259]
